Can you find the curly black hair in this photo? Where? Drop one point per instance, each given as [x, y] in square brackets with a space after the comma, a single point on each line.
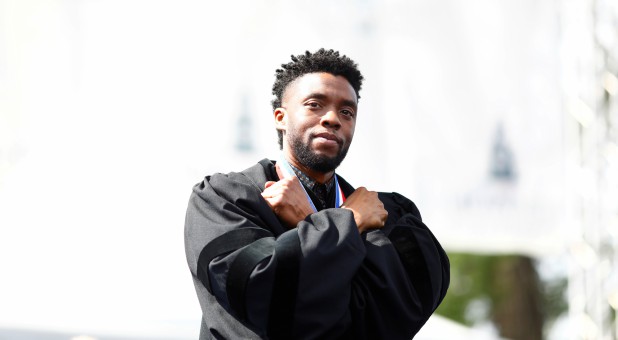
[323, 60]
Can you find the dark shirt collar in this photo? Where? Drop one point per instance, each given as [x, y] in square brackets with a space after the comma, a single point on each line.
[310, 182]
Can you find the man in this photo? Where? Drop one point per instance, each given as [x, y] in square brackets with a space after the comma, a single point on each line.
[290, 250]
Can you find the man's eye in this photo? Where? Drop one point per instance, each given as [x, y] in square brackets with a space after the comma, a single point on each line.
[347, 113]
[313, 105]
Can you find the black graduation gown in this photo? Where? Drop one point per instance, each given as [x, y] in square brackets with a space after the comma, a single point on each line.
[321, 280]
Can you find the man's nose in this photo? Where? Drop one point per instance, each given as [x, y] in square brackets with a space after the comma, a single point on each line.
[331, 119]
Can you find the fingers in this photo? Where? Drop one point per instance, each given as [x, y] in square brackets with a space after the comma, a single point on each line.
[384, 213]
[289, 187]
[358, 192]
[272, 191]
[283, 183]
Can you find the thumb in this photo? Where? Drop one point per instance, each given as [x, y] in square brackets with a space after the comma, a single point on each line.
[268, 184]
[280, 172]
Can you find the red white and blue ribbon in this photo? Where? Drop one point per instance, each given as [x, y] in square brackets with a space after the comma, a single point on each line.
[288, 172]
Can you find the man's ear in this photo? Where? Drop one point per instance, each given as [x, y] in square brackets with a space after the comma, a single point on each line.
[281, 119]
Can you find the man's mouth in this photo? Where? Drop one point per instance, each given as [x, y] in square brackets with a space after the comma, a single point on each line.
[328, 138]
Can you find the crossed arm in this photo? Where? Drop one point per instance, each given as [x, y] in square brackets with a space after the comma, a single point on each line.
[288, 201]
[310, 275]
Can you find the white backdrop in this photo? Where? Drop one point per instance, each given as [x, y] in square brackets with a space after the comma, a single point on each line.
[111, 110]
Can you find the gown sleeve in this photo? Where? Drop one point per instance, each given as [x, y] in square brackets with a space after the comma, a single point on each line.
[275, 282]
[320, 280]
[403, 278]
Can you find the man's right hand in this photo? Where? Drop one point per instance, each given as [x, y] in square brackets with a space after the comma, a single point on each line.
[368, 210]
[287, 199]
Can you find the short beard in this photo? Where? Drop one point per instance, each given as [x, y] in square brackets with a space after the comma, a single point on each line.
[315, 162]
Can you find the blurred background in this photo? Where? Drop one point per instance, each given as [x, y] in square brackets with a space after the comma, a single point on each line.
[498, 118]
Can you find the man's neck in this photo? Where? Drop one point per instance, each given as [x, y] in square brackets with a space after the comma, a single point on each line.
[320, 177]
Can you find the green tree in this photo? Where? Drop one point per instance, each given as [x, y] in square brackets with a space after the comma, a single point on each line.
[503, 289]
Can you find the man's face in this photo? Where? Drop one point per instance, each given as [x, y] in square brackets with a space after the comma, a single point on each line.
[318, 117]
